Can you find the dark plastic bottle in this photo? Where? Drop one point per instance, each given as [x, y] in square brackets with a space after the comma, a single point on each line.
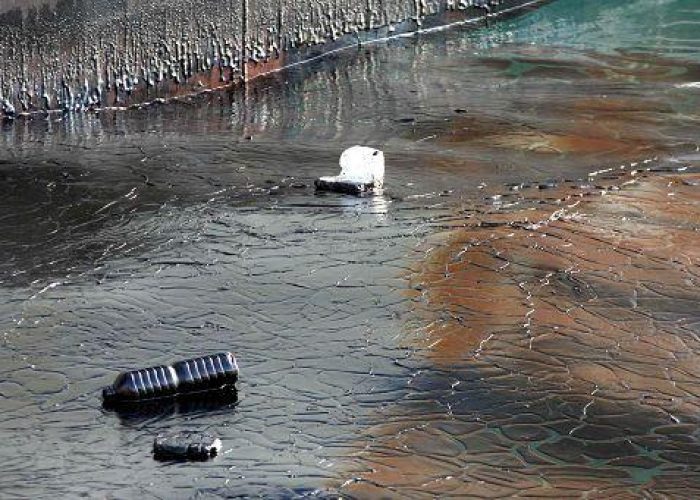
[184, 377]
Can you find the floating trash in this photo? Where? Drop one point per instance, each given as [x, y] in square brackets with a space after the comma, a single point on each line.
[206, 373]
[186, 445]
[361, 171]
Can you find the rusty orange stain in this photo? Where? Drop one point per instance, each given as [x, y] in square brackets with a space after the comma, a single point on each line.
[571, 300]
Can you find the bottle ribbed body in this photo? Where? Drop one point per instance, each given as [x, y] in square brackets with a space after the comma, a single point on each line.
[206, 372]
[192, 375]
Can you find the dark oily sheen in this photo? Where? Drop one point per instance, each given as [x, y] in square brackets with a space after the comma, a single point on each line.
[135, 239]
[195, 375]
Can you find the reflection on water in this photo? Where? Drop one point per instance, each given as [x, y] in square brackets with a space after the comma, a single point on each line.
[543, 341]
[220, 402]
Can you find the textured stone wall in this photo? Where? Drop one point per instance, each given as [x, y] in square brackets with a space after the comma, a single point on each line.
[72, 55]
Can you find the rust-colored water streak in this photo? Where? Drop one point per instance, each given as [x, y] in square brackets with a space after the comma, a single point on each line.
[611, 127]
[562, 339]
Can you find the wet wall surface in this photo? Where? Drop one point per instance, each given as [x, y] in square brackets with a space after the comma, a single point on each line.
[515, 313]
[77, 55]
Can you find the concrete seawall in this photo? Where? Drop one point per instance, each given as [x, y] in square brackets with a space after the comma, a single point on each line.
[73, 55]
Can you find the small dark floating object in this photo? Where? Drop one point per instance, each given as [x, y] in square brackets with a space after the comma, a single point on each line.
[487, 223]
[206, 373]
[460, 110]
[343, 186]
[186, 445]
[547, 185]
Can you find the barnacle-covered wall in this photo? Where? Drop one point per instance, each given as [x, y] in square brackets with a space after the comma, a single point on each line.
[72, 55]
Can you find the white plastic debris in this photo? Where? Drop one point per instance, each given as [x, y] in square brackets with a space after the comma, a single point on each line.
[361, 170]
[363, 164]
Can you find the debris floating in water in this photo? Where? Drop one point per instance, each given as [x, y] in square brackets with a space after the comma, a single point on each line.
[206, 373]
[361, 171]
[186, 445]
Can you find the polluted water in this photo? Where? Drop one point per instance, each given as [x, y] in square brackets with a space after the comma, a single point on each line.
[515, 313]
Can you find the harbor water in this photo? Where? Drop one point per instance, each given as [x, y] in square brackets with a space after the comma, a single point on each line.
[516, 312]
